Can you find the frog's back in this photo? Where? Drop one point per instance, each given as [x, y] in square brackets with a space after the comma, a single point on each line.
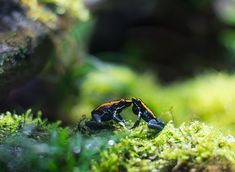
[106, 105]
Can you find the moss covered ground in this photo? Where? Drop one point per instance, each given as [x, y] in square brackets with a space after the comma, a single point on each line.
[32, 144]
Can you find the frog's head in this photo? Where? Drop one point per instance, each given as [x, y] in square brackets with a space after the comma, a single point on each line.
[125, 103]
[141, 106]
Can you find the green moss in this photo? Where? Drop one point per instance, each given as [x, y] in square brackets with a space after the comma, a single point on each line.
[34, 144]
[10, 123]
[38, 10]
[75, 8]
[191, 146]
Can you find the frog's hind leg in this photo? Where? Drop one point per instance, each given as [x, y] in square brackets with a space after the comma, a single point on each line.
[94, 125]
[96, 118]
[156, 124]
[117, 117]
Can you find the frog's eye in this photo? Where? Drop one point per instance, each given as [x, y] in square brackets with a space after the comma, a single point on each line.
[122, 100]
[133, 99]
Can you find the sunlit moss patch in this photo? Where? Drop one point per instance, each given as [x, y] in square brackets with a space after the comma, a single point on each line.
[38, 10]
[191, 146]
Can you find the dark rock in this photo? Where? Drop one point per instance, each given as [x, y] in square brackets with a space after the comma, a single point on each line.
[24, 46]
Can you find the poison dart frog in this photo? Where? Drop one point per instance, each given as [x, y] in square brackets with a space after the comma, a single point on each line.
[108, 111]
[142, 111]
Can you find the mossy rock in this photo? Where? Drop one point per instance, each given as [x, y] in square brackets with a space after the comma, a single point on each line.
[24, 46]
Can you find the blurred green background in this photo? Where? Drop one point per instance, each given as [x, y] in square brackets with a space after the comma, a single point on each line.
[177, 56]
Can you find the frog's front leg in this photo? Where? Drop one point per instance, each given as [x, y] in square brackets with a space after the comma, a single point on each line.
[137, 122]
[155, 124]
[117, 117]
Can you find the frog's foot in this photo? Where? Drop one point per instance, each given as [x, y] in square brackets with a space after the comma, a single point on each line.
[123, 124]
[156, 124]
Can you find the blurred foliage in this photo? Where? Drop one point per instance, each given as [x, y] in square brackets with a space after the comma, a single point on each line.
[66, 70]
[36, 145]
[75, 8]
[40, 10]
[208, 97]
[225, 11]
[228, 39]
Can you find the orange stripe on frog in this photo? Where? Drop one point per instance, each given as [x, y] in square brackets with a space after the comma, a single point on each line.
[112, 103]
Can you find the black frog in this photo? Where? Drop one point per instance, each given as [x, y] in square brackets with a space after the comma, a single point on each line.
[108, 111]
[143, 112]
